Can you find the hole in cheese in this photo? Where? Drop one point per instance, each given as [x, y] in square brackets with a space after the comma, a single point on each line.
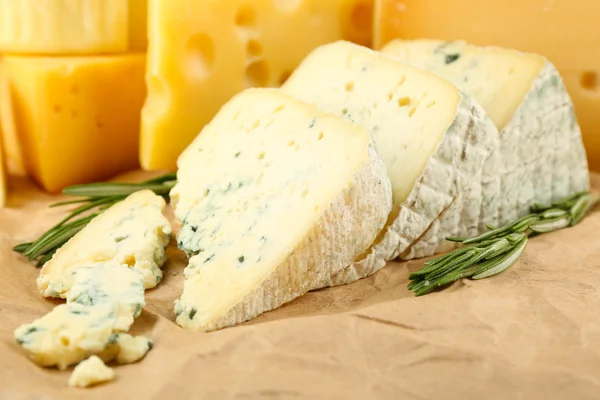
[129, 260]
[257, 74]
[404, 101]
[349, 86]
[200, 51]
[159, 101]
[589, 80]
[245, 17]
[254, 48]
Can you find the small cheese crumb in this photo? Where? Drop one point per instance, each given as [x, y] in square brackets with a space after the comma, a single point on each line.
[91, 372]
[132, 348]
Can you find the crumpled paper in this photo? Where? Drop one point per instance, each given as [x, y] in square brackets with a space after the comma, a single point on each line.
[532, 332]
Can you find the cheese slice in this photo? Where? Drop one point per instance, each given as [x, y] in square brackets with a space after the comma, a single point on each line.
[76, 118]
[201, 53]
[436, 142]
[542, 154]
[91, 372]
[273, 196]
[133, 232]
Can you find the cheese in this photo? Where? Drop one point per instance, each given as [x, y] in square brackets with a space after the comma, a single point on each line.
[68, 334]
[13, 155]
[103, 302]
[563, 31]
[132, 348]
[437, 145]
[543, 158]
[117, 285]
[3, 187]
[91, 372]
[292, 196]
[72, 26]
[63, 26]
[133, 232]
[202, 53]
[77, 118]
[137, 24]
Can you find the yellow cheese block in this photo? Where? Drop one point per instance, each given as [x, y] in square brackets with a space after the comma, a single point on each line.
[201, 53]
[72, 26]
[565, 31]
[77, 118]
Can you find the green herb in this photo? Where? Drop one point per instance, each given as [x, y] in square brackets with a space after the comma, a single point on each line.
[97, 197]
[499, 248]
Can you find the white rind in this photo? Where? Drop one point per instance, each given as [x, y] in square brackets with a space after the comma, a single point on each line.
[542, 153]
[446, 199]
[343, 232]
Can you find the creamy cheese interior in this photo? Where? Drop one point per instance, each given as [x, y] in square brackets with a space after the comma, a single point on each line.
[250, 187]
[407, 109]
[497, 78]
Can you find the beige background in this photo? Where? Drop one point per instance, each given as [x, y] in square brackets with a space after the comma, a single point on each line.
[531, 332]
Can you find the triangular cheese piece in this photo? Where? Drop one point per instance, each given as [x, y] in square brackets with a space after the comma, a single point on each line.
[274, 196]
[435, 141]
[542, 153]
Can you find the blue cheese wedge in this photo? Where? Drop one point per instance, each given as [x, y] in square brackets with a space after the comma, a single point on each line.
[437, 144]
[542, 157]
[273, 196]
[133, 232]
[91, 372]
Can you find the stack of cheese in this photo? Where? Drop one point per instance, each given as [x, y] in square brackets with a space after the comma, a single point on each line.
[72, 87]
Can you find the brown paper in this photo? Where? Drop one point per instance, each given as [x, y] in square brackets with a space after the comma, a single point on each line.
[532, 332]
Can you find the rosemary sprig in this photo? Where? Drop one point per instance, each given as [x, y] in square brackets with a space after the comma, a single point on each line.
[97, 197]
[499, 248]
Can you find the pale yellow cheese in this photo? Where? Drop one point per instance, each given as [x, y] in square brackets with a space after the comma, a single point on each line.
[133, 232]
[91, 372]
[76, 118]
[566, 32]
[499, 79]
[202, 53]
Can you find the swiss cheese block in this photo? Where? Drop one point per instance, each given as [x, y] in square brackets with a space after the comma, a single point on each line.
[203, 52]
[542, 154]
[273, 196]
[566, 32]
[77, 118]
[133, 232]
[435, 142]
[91, 372]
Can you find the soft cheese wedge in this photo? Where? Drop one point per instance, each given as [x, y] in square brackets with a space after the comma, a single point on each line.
[133, 232]
[273, 196]
[542, 157]
[435, 142]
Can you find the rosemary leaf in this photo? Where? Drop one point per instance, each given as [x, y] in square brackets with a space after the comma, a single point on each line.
[504, 262]
[21, 248]
[500, 247]
[96, 190]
